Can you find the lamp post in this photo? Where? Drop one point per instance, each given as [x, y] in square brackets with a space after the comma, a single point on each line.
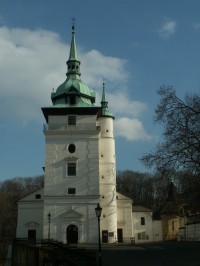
[98, 211]
[49, 221]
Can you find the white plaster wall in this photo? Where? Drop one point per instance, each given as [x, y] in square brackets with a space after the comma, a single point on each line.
[147, 228]
[107, 171]
[86, 222]
[29, 212]
[86, 156]
[84, 122]
[85, 136]
[173, 227]
[157, 230]
[124, 217]
[193, 232]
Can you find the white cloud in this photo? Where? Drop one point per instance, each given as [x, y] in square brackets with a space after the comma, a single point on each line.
[29, 66]
[120, 103]
[98, 67]
[33, 62]
[132, 129]
[168, 28]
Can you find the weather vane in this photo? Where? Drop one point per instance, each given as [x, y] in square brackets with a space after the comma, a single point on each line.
[103, 82]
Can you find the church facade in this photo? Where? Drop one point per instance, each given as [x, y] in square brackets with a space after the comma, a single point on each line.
[80, 170]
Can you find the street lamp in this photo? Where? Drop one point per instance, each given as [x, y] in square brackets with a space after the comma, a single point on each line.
[49, 221]
[98, 211]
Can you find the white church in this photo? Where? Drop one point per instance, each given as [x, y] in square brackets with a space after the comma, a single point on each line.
[80, 170]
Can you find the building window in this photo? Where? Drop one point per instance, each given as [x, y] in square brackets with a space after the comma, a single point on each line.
[71, 148]
[72, 99]
[71, 191]
[71, 120]
[142, 221]
[142, 236]
[38, 196]
[71, 169]
[111, 234]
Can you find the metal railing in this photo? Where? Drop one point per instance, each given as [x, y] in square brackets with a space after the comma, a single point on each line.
[124, 240]
[55, 243]
[65, 127]
[38, 242]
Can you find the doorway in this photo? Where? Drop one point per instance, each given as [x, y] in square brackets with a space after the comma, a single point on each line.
[72, 234]
[31, 235]
[120, 235]
[104, 236]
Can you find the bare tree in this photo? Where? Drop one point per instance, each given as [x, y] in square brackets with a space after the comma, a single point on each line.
[10, 191]
[137, 186]
[180, 148]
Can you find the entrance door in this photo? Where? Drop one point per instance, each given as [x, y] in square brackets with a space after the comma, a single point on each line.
[120, 235]
[72, 234]
[105, 236]
[32, 235]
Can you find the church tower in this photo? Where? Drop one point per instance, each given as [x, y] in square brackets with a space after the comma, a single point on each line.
[80, 167]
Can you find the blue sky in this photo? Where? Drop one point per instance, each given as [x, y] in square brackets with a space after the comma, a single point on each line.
[134, 45]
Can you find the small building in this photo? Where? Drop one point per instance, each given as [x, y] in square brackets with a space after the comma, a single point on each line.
[170, 216]
[144, 227]
[192, 228]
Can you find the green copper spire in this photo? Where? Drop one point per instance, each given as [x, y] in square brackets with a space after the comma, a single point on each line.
[73, 92]
[73, 63]
[73, 51]
[104, 104]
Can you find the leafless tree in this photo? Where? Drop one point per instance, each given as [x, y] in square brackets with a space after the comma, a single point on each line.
[180, 148]
[137, 186]
[10, 191]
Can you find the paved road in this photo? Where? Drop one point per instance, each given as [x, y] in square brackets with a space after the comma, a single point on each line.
[164, 254]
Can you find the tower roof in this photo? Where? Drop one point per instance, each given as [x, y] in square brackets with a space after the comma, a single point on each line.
[73, 96]
[73, 51]
[104, 104]
[73, 91]
[171, 205]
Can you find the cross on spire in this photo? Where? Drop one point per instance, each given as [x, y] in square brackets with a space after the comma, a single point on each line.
[73, 24]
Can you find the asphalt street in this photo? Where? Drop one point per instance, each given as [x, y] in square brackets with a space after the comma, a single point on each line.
[163, 254]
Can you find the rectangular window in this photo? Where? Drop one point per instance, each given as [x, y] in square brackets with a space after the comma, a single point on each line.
[111, 234]
[142, 236]
[72, 120]
[71, 169]
[142, 221]
[72, 191]
[38, 196]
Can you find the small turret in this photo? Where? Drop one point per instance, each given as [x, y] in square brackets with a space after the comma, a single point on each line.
[104, 104]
